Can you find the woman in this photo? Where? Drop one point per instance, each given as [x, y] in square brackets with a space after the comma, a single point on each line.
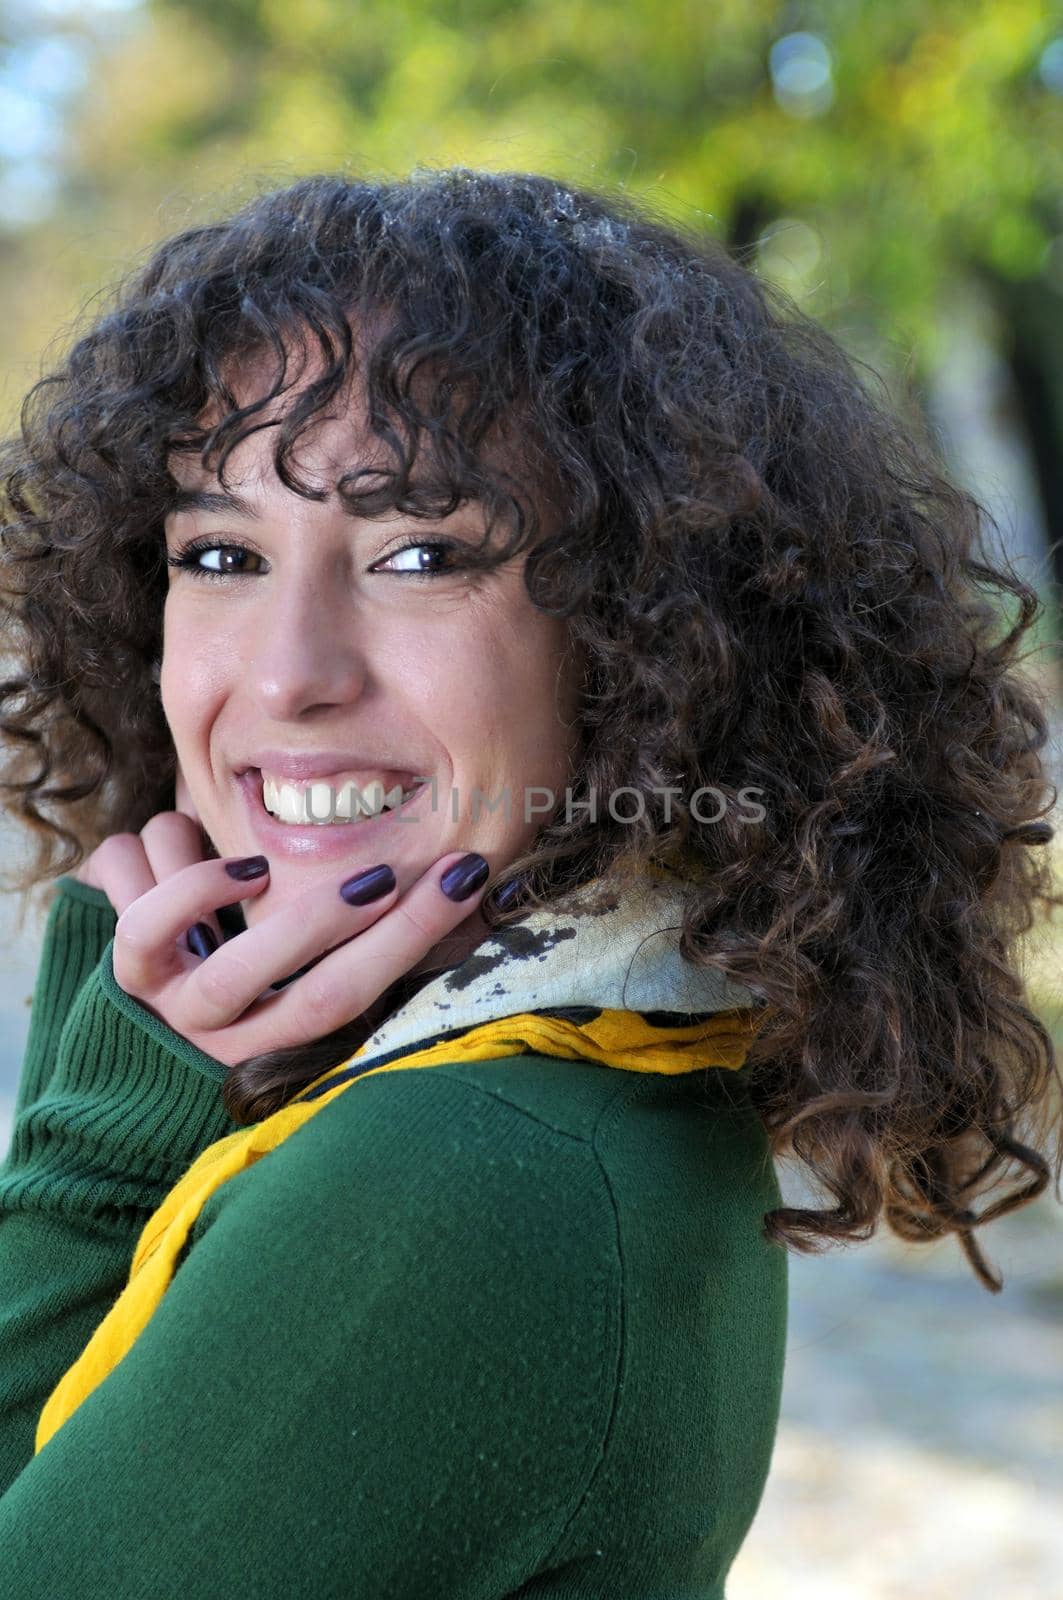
[696, 714]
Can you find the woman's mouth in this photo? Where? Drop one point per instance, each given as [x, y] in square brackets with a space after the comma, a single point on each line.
[326, 839]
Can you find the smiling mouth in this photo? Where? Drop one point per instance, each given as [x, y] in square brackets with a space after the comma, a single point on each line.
[251, 778]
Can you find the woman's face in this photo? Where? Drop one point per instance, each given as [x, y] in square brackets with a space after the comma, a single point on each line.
[319, 637]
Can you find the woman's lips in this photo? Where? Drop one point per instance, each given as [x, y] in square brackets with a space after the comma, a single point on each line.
[311, 841]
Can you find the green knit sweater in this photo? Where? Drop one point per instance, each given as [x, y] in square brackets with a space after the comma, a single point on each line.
[487, 1328]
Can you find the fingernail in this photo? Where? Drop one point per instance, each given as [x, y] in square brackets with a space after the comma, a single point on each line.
[368, 885]
[201, 941]
[464, 877]
[247, 867]
[509, 894]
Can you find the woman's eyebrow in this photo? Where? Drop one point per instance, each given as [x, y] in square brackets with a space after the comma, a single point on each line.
[210, 500]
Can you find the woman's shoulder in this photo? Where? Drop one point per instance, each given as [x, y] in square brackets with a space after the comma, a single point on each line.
[533, 1137]
[510, 1132]
[540, 1100]
[512, 1141]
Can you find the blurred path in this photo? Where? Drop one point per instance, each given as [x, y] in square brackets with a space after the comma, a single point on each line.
[920, 1454]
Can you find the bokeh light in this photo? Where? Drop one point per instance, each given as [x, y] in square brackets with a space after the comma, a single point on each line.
[802, 74]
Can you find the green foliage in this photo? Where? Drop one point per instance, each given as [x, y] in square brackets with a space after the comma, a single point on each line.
[938, 145]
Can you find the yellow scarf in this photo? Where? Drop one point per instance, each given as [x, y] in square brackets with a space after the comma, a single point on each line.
[613, 1037]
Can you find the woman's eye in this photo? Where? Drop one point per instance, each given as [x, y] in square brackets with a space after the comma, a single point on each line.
[188, 560]
[418, 568]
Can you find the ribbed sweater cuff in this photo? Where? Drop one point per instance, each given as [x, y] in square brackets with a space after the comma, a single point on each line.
[169, 1042]
[128, 1107]
[73, 889]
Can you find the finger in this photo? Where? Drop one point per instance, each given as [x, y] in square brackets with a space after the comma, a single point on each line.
[298, 934]
[347, 980]
[122, 869]
[173, 841]
[150, 931]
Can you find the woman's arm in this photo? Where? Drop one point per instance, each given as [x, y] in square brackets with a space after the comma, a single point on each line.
[112, 1107]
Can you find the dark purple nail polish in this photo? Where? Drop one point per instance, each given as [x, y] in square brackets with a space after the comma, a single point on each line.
[201, 941]
[509, 894]
[368, 885]
[464, 877]
[247, 867]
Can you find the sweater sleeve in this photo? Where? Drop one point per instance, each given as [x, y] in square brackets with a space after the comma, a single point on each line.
[384, 1369]
[112, 1106]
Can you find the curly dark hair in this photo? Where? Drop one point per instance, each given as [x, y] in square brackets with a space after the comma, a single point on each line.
[776, 585]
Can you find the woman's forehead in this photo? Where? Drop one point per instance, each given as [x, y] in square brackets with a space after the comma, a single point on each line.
[337, 440]
[332, 445]
[327, 448]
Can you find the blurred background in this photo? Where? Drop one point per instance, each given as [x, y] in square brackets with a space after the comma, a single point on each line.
[897, 169]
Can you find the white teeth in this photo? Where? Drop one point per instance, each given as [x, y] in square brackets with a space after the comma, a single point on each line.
[371, 798]
[315, 803]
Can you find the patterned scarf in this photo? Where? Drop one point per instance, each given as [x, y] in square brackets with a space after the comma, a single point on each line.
[603, 983]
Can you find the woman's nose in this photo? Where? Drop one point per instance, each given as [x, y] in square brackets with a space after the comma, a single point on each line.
[306, 655]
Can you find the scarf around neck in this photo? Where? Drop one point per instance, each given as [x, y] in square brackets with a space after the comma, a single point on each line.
[602, 983]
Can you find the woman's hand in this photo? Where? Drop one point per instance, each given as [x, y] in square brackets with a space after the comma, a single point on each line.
[161, 883]
[220, 1004]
